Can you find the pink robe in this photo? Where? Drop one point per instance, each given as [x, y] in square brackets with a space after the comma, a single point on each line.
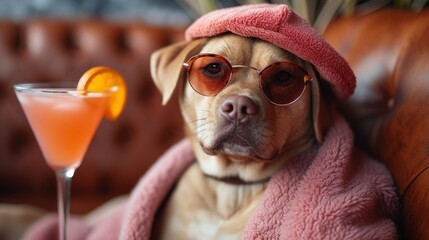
[331, 191]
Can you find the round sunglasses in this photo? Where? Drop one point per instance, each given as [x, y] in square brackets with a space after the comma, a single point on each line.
[282, 83]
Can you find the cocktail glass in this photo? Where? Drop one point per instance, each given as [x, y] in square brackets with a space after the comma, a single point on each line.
[63, 121]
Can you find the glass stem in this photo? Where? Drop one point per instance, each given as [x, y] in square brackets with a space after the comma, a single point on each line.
[63, 183]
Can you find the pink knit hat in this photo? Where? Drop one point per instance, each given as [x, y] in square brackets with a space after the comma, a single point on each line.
[279, 25]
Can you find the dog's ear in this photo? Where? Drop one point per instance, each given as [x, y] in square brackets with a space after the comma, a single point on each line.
[323, 107]
[166, 65]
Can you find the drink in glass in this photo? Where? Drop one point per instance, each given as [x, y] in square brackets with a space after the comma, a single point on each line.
[64, 121]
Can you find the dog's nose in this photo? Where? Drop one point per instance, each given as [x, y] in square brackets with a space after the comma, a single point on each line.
[238, 108]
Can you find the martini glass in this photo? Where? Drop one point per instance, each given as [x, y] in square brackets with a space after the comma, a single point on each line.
[63, 121]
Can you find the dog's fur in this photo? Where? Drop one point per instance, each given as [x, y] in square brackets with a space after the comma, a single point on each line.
[235, 158]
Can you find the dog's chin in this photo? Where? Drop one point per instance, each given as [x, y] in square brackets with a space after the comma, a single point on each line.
[239, 149]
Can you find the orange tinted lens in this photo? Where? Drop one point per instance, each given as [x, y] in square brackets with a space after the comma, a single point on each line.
[282, 82]
[209, 74]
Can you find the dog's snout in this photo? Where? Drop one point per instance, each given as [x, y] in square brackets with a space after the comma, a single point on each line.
[238, 108]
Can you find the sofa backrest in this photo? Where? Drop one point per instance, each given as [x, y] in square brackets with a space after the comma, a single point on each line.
[121, 151]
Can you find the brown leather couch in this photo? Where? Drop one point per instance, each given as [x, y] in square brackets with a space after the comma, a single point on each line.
[389, 51]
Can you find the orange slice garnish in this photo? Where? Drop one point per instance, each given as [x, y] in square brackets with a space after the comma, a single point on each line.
[106, 79]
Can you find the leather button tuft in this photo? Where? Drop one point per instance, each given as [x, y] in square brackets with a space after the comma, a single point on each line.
[123, 135]
[18, 141]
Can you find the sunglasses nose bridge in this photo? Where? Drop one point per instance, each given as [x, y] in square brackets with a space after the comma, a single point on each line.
[245, 66]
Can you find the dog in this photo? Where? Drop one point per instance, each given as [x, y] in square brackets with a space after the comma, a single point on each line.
[274, 159]
[240, 138]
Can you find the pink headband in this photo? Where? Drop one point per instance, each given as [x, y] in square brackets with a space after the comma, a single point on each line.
[279, 25]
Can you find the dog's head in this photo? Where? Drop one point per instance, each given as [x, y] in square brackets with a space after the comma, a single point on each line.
[239, 131]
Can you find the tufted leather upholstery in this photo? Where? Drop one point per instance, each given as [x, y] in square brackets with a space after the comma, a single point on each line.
[46, 50]
[389, 52]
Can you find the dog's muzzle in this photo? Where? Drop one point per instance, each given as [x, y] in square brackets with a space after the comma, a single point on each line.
[239, 131]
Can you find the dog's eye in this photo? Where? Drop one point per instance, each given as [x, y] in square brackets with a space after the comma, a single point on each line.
[213, 70]
[281, 78]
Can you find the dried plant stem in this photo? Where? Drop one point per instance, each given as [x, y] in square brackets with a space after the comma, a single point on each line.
[418, 5]
[199, 7]
[326, 14]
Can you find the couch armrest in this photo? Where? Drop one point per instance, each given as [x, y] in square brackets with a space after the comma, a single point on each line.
[389, 111]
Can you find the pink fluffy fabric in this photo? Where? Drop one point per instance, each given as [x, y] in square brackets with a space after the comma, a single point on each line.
[279, 25]
[331, 191]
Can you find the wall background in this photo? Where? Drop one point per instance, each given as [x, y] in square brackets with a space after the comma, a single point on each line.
[161, 12]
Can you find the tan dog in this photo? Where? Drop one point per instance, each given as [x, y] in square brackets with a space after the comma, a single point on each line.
[240, 138]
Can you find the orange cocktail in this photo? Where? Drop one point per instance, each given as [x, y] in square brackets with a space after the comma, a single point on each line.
[64, 118]
[63, 122]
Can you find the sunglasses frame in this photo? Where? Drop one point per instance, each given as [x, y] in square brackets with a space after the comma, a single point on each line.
[188, 65]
